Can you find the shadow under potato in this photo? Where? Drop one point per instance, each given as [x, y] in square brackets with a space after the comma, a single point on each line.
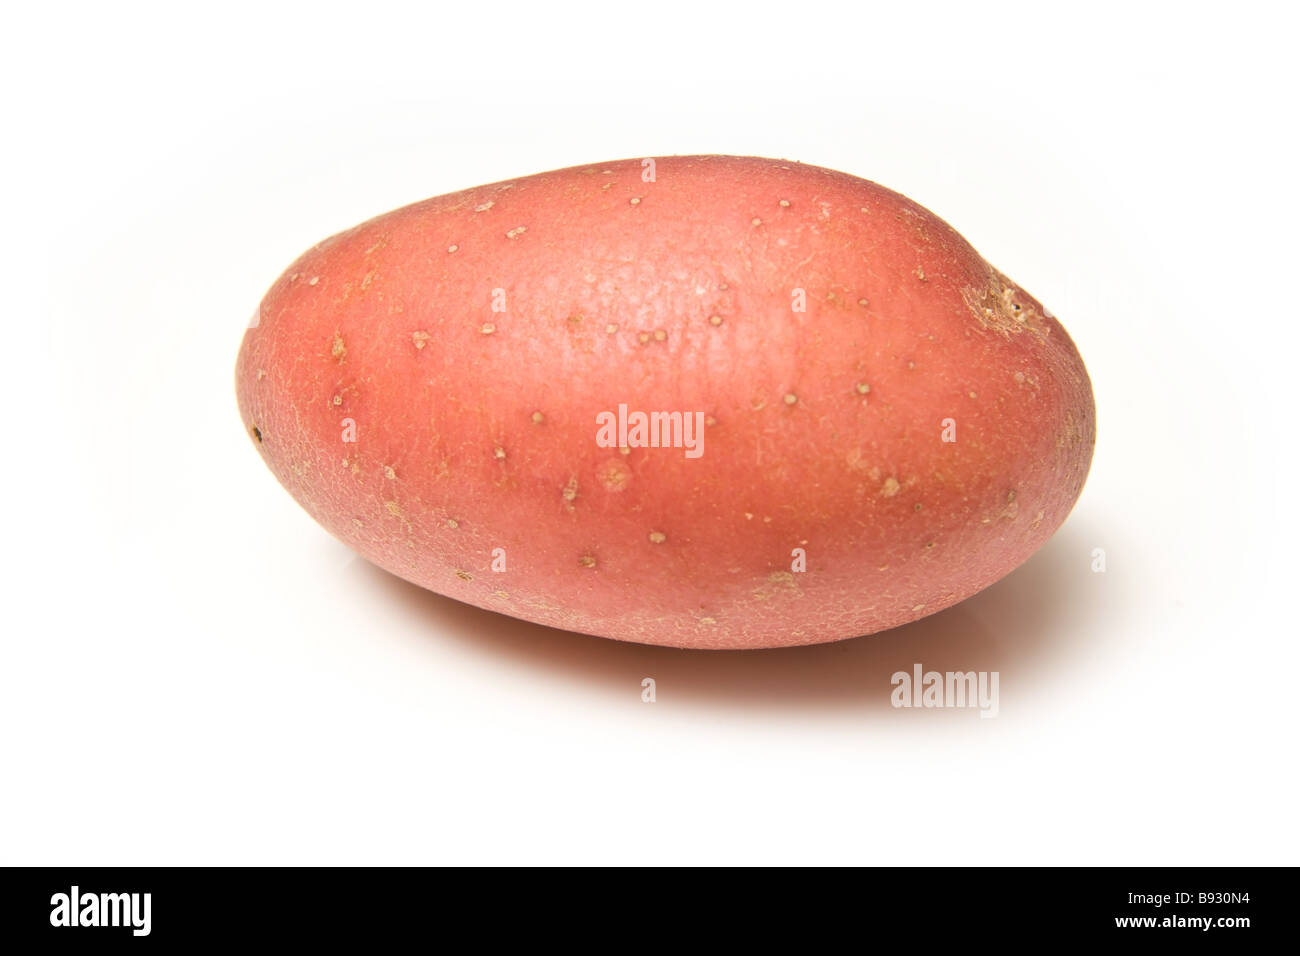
[1019, 626]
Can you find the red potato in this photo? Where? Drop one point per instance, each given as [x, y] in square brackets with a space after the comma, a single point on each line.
[889, 424]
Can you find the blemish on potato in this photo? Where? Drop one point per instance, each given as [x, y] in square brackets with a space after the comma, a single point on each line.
[611, 328]
[485, 206]
[634, 201]
[464, 575]
[862, 388]
[487, 328]
[516, 232]
[658, 537]
[715, 320]
[999, 307]
[660, 335]
[570, 490]
[614, 475]
[790, 398]
[778, 582]
[389, 473]
[453, 524]
[587, 561]
[256, 433]
[889, 488]
[337, 349]
[453, 247]
[498, 453]
[538, 418]
[313, 280]
[420, 339]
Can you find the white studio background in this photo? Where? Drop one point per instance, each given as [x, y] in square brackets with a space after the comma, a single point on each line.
[192, 672]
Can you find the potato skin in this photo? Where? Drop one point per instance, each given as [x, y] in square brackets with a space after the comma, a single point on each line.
[476, 430]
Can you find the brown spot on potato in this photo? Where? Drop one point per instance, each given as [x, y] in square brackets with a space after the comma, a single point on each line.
[778, 582]
[256, 433]
[587, 561]
[464, 575]
[614, 475]
[1001, 307]
[337, 349]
